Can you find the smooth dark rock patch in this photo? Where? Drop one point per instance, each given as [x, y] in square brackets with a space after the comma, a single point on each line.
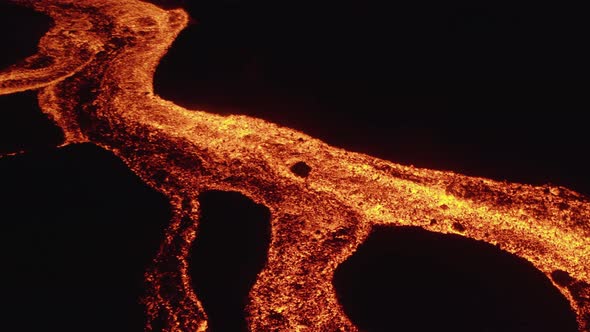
[409, 279]
[562, 278]
[77, 232]
[21, 29]
[230, 250]
[23, 126]
[301, 169]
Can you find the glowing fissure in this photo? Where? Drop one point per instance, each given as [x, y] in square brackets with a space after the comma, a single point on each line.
[93, 74]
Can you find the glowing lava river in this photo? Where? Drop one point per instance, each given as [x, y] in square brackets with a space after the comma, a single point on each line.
[93, 73]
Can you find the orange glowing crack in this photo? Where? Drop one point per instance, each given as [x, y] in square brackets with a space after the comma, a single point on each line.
[94, 73]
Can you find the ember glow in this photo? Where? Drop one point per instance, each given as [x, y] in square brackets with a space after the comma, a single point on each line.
[93, 74]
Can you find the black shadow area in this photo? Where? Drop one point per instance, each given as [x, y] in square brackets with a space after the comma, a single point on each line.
[230, 250]
[77, 231]
[20, 31]
[409, 279]
[23, 126]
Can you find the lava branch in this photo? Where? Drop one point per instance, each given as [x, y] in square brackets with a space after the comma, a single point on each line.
[318, 219]
[172, 298]
[63, 51]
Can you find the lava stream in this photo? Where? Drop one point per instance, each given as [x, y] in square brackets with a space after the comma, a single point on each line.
[94, 73]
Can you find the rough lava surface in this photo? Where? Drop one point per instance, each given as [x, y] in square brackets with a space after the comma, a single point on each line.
[93, 74]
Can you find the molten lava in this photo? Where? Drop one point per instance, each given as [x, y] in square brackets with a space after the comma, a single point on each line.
[93, 74]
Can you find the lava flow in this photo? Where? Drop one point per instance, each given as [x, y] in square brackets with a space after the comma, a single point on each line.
[93, 73]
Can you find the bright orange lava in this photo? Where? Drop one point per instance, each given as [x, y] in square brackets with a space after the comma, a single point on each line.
[97, 86]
